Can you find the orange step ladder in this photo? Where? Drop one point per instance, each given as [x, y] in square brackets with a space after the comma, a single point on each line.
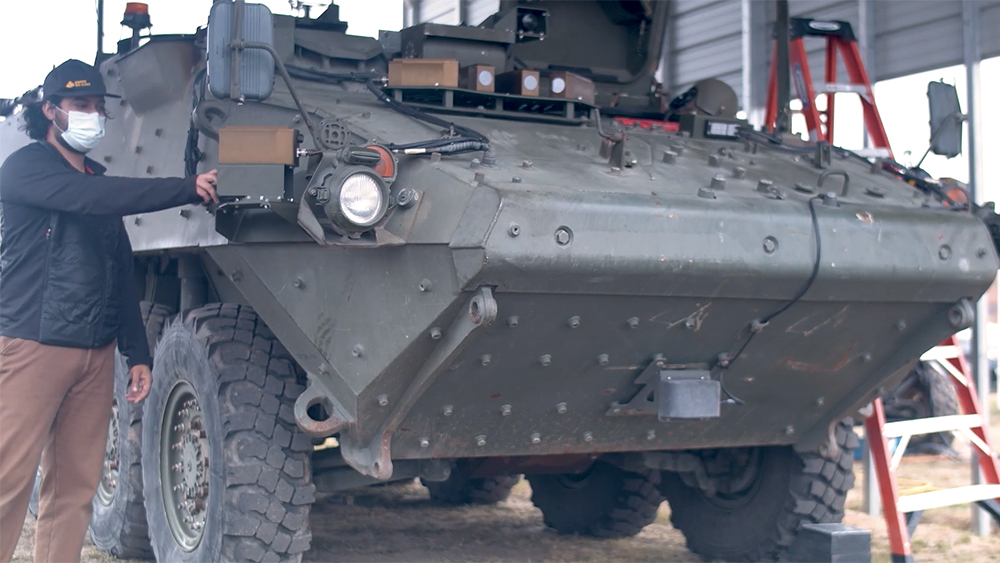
[902, 513]
[839, 38]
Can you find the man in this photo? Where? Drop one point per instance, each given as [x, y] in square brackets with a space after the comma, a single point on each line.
[68, 294]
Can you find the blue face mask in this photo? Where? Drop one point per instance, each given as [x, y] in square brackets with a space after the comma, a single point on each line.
[84, 130]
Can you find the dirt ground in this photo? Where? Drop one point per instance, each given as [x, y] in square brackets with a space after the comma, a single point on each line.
[400, 523]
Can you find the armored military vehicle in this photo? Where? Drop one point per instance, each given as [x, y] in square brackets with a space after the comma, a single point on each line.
[434, 257]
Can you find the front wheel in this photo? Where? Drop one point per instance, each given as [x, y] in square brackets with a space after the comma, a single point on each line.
[604, 501]
[762, 498]
[459, 488]
[230, 469]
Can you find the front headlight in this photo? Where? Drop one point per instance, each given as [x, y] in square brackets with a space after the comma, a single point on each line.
[358, 198]
[362, 199]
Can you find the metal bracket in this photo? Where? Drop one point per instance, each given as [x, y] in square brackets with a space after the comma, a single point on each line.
[373, 459]
[672, 391]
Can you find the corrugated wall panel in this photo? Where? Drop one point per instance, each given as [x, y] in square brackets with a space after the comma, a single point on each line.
[439, 11]
[705, 42]
[478, 10]
[917, 36]
[989, 23]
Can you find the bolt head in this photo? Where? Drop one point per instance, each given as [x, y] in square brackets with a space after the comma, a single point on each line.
[633, 322]
[536, 438]
[383, 400]
[424, 285]
[603, 359]
[561, 408]
[545, 359]
[512, 321]
[358, 351]
[588, 437]
[573, 322]
[447, 410]
[435, 333]
[481, 440]
[485, 360]
[505, 410]
[651, 435]
[514, 229]
[424, 442]
[563, 236]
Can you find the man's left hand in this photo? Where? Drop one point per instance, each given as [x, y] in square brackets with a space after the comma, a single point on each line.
[142, 380]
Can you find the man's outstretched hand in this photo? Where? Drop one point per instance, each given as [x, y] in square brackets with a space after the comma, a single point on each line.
[205, 185]
[142, 380]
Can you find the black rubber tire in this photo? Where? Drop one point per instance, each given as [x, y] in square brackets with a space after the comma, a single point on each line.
[460, 489]
[791, 490]
[943, 402]
[246, 384]
[606, 501]
[119, 528]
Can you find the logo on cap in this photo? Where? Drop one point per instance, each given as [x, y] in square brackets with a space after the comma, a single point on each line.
[77, 84]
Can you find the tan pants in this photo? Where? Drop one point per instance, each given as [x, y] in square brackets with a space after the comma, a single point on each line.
[56, 400]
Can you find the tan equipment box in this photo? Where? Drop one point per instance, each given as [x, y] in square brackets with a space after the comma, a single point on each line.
[442, 73]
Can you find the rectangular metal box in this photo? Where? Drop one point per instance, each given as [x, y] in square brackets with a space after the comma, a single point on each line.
[688, 394]
[570, 86]
[441, 73]
[257, 145]
[831, 543]
[519, 82]
[481, 78]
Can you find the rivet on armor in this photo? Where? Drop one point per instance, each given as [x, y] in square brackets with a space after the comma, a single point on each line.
[718, 182]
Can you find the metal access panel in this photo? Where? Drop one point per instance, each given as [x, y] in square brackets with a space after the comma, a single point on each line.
[256, 65]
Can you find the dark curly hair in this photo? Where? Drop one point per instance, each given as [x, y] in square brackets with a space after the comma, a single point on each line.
[36, 125]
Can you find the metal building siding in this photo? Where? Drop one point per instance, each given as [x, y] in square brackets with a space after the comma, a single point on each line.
[704, 38]
[989, 22]
[478, 10]
[439, 11]
[916, 36]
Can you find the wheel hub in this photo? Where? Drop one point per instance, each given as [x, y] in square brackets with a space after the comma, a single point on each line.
[109, 476]
[184, 466]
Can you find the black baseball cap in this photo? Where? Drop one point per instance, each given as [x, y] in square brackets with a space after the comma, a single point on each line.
[74, 79]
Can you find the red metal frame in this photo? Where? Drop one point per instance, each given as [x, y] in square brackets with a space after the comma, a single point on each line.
[821, 129]
[899, 534]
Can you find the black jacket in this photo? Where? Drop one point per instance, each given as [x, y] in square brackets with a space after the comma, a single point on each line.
[66, 274]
